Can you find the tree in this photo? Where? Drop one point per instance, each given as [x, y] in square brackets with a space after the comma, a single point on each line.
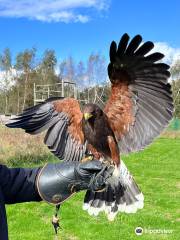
[47, 67]
[67, 69]
[25, 65]
[18, 91]
[175, 73]
[80, 74]
[49, 60]
[175, 70]
[176, 97]
[96, 69]
[6, 67]
[62, 69]
[70, 69]
[96, 76]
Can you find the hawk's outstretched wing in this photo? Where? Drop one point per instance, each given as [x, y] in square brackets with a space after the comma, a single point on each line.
[140, 105]
[62, 118]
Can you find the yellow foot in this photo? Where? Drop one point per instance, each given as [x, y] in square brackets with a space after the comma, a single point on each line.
[89, 158]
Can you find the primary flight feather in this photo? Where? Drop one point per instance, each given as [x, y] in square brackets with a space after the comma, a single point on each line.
[139, 107]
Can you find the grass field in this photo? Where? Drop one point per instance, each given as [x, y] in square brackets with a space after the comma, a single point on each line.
[156, 170]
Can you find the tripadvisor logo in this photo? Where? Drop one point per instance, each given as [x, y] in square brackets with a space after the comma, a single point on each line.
[138, 231]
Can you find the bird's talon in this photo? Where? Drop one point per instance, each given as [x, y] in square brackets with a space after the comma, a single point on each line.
[89, 158]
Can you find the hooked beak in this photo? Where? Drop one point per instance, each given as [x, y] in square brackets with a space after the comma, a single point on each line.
[87, 116]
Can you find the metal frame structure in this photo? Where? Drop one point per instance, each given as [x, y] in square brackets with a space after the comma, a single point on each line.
[65, 89]
[61, 89]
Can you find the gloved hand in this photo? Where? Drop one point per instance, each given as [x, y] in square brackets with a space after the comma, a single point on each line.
[57, 182]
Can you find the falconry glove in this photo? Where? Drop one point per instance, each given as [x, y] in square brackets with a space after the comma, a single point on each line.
[57, 182]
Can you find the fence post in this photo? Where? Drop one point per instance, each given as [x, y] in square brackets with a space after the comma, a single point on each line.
[75, 91]
[62, 88]
[34, 94]
[48, 92]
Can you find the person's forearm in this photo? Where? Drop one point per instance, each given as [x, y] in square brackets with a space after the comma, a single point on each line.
[18, 184]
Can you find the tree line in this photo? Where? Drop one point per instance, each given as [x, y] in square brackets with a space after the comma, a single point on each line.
[18, 76]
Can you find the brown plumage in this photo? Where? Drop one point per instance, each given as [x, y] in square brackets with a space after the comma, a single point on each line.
[98, 134]
[96, 131]
[138, 85]
[138, 109]
[71, 107]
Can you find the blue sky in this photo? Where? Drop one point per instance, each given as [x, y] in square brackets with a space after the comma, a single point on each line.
[79, 27]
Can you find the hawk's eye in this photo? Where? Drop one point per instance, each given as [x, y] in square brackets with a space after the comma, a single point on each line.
[98, 112]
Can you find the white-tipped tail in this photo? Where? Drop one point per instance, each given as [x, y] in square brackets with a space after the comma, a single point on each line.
[121, 195]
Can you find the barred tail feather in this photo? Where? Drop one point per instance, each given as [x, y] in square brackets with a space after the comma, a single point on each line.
[124, 196]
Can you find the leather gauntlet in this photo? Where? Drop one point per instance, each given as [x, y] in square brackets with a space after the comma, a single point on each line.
[57, 182]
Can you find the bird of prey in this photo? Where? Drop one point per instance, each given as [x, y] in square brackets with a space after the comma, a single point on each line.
[139, 107]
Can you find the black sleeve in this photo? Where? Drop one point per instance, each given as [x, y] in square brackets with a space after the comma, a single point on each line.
[18, 184]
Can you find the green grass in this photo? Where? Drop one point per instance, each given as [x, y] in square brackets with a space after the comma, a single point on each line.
[156, 171]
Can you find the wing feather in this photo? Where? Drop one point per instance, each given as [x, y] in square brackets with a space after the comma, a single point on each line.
[62, 120]
[140, 105]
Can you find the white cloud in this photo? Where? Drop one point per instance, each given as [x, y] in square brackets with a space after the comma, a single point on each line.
[171, 54]
[52, 11]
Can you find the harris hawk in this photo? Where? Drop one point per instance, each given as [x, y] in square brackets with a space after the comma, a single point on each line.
[139, 107]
